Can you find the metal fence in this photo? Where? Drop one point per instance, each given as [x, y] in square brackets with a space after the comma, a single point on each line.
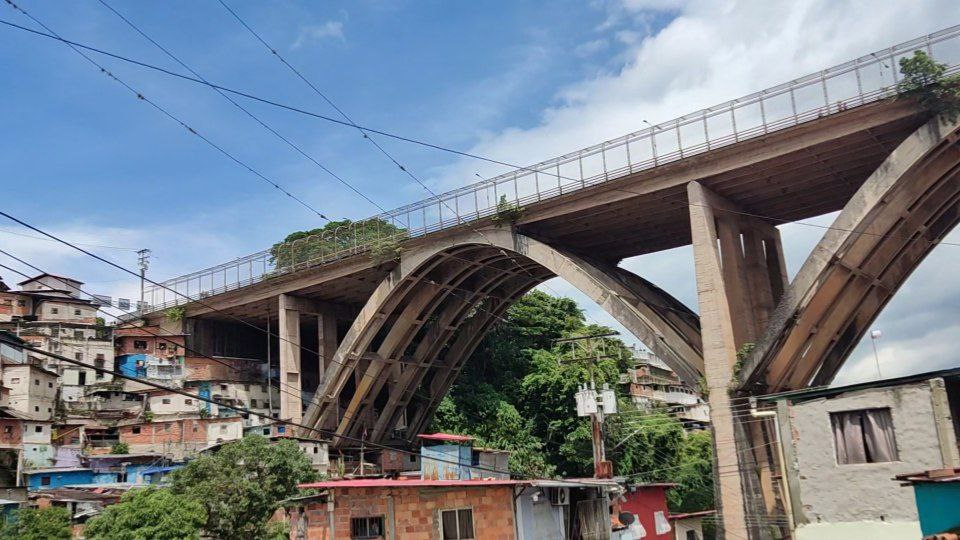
[864, 80]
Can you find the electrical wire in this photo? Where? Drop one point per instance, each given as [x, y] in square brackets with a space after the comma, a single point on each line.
[246, 111]
[140, 96]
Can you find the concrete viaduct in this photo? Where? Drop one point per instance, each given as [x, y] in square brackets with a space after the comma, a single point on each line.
[374, 345]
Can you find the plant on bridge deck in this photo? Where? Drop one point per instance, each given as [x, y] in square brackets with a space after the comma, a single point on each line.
[507, 212]
[335, 239]
[175, 314]
[925, 80]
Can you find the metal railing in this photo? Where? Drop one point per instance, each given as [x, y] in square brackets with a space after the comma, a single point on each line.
[864, 80]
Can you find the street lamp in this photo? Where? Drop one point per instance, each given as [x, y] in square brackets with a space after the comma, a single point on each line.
[874, 336]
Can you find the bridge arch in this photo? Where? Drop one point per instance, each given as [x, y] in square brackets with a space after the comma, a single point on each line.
[429, 314]
[896, 218]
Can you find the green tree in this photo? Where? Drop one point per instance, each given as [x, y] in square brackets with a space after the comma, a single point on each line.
[120, 448]
[300, 247]
[38, 524]
[243, 483]
[694, 475]
[149, 513]
[925, 80]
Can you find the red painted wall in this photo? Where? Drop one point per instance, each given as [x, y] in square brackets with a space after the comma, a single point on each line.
[643, 501]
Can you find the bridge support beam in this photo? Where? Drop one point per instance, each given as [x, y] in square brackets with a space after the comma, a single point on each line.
[291, 407]
[740, 276]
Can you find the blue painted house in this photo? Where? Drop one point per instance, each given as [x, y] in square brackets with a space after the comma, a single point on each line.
[58, 477]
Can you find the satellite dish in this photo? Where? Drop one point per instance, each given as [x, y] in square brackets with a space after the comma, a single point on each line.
[626, 518]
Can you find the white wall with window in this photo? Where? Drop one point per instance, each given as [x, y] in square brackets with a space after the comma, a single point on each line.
[849, 443]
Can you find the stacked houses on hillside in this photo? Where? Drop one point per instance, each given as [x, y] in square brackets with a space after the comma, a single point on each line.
[652, 385]
[74, 425]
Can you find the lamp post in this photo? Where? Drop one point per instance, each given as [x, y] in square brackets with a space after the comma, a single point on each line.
[874, 336]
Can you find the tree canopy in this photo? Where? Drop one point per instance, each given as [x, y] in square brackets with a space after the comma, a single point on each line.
[38, 524]
[516, 393]
[242, 484]
[301, 247]
[925, 80]
[151, 513]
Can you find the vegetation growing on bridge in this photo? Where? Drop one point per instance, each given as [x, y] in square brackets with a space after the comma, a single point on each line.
[381, 237]
[514, 394]
[507, 212]
[926, 81]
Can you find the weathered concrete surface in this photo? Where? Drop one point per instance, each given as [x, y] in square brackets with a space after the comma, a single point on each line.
[889, 225]
[405, 303]
[859, 493]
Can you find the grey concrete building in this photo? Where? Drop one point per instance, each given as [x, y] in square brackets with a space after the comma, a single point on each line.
[844, 445]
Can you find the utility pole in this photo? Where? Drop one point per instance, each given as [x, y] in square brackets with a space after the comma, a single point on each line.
[590, 350]
[143, 261]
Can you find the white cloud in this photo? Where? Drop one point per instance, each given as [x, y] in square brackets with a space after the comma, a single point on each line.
[714, 51]
[321, 32]
[591, 47]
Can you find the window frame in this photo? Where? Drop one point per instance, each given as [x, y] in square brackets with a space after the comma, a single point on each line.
[366, 520]
[456, 512]
[869, 460]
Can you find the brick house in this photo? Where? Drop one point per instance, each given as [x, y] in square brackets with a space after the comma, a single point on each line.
[413, 509]
[179, 438]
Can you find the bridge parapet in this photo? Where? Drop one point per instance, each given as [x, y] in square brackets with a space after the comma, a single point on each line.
[861, 81]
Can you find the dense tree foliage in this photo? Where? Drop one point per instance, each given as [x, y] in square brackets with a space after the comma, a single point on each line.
[149, 513]
[301, 247]
[242, 484]
[926, 81]
[516, 393]
[38, 524]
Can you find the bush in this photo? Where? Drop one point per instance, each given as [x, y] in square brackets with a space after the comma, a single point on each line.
[924, 80]
[120, 448]
[38, 524]
[148, 513]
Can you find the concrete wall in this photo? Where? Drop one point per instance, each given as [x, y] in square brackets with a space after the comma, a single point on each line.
[540, 520]
[32, 391]
[862, 494]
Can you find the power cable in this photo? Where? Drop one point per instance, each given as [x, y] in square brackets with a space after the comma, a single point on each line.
[242, 108]
[139, 95]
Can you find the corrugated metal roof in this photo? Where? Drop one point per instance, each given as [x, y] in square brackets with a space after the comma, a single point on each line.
[445, 437]
[416, 482]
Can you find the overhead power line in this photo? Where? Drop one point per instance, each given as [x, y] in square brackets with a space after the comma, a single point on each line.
[139, 95]
[241, 107]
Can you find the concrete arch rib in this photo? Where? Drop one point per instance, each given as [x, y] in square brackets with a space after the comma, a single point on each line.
[436, 293]
[903, 210]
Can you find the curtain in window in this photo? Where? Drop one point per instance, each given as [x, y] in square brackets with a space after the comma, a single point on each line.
[848, 437]
[878, 433]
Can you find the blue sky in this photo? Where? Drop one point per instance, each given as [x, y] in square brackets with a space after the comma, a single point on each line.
[517, 81]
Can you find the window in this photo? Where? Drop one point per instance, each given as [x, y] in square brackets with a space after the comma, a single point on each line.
[135, 430]
[54, 310]
[21, 303]
[78, 334]
[246, 387]
[188, 402]
[692, 535]
[36, 408]
[366, 527]
[78, 356]
[316, 449]
[44, 480]
[457, 524]
[139, 344]
[7, 429]
[263, 388]
[253, 403]
[864, 436]
[38, 429]
[15, 380]
[50, 385]
[161, 346]
[165, 401]
[36, 382]
[101, 358]
[223, 387]
[77, 312]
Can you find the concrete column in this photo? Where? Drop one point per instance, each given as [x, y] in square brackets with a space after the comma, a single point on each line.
[288, 329]
[327, 347]
[740, 277]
